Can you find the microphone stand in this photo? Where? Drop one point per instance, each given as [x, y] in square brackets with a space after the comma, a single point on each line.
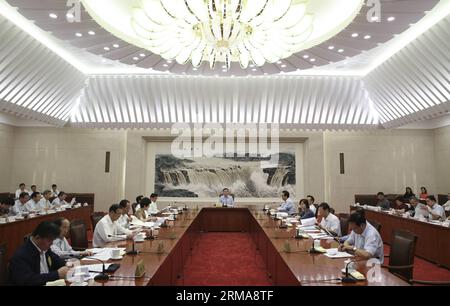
[313, 249]
[348, 279]
[102, 276]
[133, 250]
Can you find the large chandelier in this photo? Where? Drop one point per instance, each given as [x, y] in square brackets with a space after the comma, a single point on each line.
[244, 31]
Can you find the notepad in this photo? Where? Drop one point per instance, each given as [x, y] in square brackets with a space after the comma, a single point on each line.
[334, 253]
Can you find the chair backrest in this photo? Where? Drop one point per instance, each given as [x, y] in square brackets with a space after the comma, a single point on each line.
[95, 217]
[77, 222]
[133, 206]
[344, 224]
[78, 236]
[25, 238]
[376, 225]
[3, 270]
[402, 252]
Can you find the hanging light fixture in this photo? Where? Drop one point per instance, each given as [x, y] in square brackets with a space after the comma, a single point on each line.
[227, 31]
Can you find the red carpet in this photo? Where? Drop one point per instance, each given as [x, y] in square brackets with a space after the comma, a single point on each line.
[425, 270]
[225, 259]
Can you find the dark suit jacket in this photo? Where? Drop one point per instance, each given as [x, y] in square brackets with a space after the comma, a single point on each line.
[24, 266]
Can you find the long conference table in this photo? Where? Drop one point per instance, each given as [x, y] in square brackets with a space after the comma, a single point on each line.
[178, 242]
[13, 233]
[433, 240]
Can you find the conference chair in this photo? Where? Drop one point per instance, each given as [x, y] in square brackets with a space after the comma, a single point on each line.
[95, 217]
[3, 270]
[401, 255]
[133, 207]
[78, 236]
[376, 225]
[343, 220]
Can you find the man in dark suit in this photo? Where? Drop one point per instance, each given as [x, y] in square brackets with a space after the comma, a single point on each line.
[34, 264]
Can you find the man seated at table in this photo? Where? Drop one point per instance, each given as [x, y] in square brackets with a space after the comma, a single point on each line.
[60, 245]
[446, 206]
[34, 203]
[125, 219]
[329, 221]
[19, 205]
[312, 205]
[382, 201]
[61, 200]
[364, 240]
[153, 208]
[400, 204]
[55, 191]
[226, 199]
[138, 202]
[142, 212]
[107, 230]
[34, 263]
[20, 190]
[287, 205]
[304, 211]
[44, 203]
[419, 210]
[6, 207]
[33, 190]
[436, 211]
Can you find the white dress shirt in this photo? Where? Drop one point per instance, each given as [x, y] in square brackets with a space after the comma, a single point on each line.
[332, 223]
[123, 221]
[287, 206]
[18, 207]
[153, 208]
[421, 211]
[369, 240]
[43, 262]
[437, 210]
[63, 249]
[43, 203]
[313, 208]
[55, 193]
[18, 192]
[107, 231]
[31, 205]
[446, 206]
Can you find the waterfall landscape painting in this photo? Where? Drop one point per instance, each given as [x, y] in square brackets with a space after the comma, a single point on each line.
[206, 177]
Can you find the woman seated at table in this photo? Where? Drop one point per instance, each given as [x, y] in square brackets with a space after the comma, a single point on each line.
[60, 245]
[142, 212]
[303, 208]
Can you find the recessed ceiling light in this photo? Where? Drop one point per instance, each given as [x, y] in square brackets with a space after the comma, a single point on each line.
[341, 50]
[331, 47]
[106, 48]
[224, 70]
[70, 16]
[254, 69]
[116, 46]
[367, 37]
[283, 66]
[142, 55]
[169, 62]
[392, 18]
[136, 58]
[313, 60]
[53, 16]
[355, 35]
[78, 34]
[91, 33]
[224, 67]
[305, 56]
[251, 65]
[265, 73]
[165, 65]
[195, 69]
[279, 62]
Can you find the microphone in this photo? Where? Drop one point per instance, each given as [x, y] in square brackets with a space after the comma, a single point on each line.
[133, 250]
[102, 276]
[313, 249]
[331, 235]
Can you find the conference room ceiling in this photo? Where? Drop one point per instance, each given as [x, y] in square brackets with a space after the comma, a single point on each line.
[41, 80]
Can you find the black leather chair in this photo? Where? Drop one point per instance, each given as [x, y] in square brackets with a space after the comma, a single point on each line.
[343, 219]
[376, 225]
[133, 206]
[3, 270]
[95, 217]
[401, 255]
[78, 236]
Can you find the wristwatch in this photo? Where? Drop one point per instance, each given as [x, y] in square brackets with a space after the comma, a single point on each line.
[354, 249]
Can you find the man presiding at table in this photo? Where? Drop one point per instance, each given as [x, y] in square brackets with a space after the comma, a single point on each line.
[225, 199]
[107, 230]
[287, 206]
[364, 240]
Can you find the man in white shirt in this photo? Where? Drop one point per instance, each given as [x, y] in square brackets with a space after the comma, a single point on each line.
[33, 190]
[61, 200]
[329, 221]
[364, 240]
[44, 203]
[419, 210]
[226, 199]
[20, 190]
[447, 204]
[436, 211]
[311, 200]
[60, 245]
[19, 205]
[153, 208]
[287, 205]
[55, 191]
[34, 203]
[125, 218]
[107, 229]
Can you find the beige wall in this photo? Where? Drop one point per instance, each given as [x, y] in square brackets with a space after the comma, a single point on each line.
[75, 159]
[6, 155]
[442, 159]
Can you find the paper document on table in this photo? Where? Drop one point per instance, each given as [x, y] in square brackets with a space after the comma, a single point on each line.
[149, 224]
[334, 253]
[320, 236]
[104, 255]
[308, 222]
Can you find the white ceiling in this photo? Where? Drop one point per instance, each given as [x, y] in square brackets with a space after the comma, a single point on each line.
[43, 78]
